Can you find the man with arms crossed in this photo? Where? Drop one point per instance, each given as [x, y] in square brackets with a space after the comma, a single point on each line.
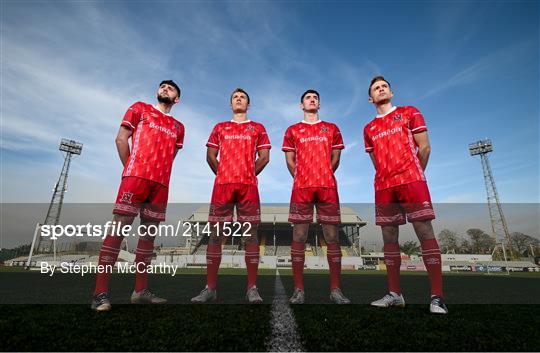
[312, 150]
[237, 141]
[397, 142]
[156, 137]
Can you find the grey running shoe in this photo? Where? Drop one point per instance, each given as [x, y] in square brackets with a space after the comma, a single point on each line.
[391, 299]
[337, 297]
[146, 297]
[253, 297]
[206, 295]
[100, 302]
[298, 297]
[437, 306]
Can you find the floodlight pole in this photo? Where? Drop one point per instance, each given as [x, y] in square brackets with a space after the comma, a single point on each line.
[70, 147]
[499, 227]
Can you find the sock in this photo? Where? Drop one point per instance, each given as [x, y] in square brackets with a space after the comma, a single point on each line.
[392, 259]
[298, 257]
[107, 256]
[431, 255]
[333, 255]
[213, 260]
[252, 263]
[143, 254]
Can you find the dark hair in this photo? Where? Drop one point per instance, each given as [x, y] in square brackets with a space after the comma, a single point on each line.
[377, 79]
[171, 83]
[238, 89]
[309, 91]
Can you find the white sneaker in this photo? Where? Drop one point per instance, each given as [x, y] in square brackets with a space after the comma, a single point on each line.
[206, 295]
[146, 297]
[391, 299]
[437, 306]
[337, 297]
[253, 297]
[298, 296]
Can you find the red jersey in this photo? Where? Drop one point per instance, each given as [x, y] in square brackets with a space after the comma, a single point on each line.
[313, 144]
[390, 139]
[155, 137]
[237, 144]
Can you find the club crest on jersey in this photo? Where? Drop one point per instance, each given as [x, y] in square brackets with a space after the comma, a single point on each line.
[126, 197]
[176, 125]
[250, 128]
[324, 129]
[397, 117]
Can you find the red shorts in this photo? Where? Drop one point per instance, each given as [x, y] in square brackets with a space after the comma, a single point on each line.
[410, 200]
[142, 195]
[326, 200]
[244, 196]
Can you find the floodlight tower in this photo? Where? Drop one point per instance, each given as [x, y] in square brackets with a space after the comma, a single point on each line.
[499, 226]
[70, 148]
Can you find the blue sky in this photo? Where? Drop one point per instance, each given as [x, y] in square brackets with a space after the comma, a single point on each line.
[71, 69]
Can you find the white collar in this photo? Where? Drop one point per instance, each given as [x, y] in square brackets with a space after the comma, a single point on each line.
[390, 111]
[156, 108]
[311, 123]
[240, 122]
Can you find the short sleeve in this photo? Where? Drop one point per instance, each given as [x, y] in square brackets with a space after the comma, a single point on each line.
[288, 141]
[368, 143]
[337, 139]
[213, 140]
[132, 116]
[417, 123]
[263, 142]
[180, 136]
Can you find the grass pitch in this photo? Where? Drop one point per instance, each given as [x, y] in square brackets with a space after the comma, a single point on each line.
[487, 313]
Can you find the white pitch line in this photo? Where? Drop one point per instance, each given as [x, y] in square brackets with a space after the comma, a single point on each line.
[284, 337]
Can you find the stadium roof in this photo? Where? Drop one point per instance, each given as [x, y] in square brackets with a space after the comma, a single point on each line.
[280, 215]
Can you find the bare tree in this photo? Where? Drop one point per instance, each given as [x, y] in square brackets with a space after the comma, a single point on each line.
[481, 243]
[410, 247]
[522, 242]
[448, 241]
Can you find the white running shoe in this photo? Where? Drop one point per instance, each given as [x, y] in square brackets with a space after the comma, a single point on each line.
[253, 297]
[391, 299]
[206, 295]
[437, 306]
[146, 297]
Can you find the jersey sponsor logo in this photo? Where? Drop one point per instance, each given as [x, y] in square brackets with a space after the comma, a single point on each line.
[372, 128]
[126, 197]
[302, 130]
[397, 117]
[227, 127]
[387, 133]
[162, 129]
[237, 137]
[314, 138]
